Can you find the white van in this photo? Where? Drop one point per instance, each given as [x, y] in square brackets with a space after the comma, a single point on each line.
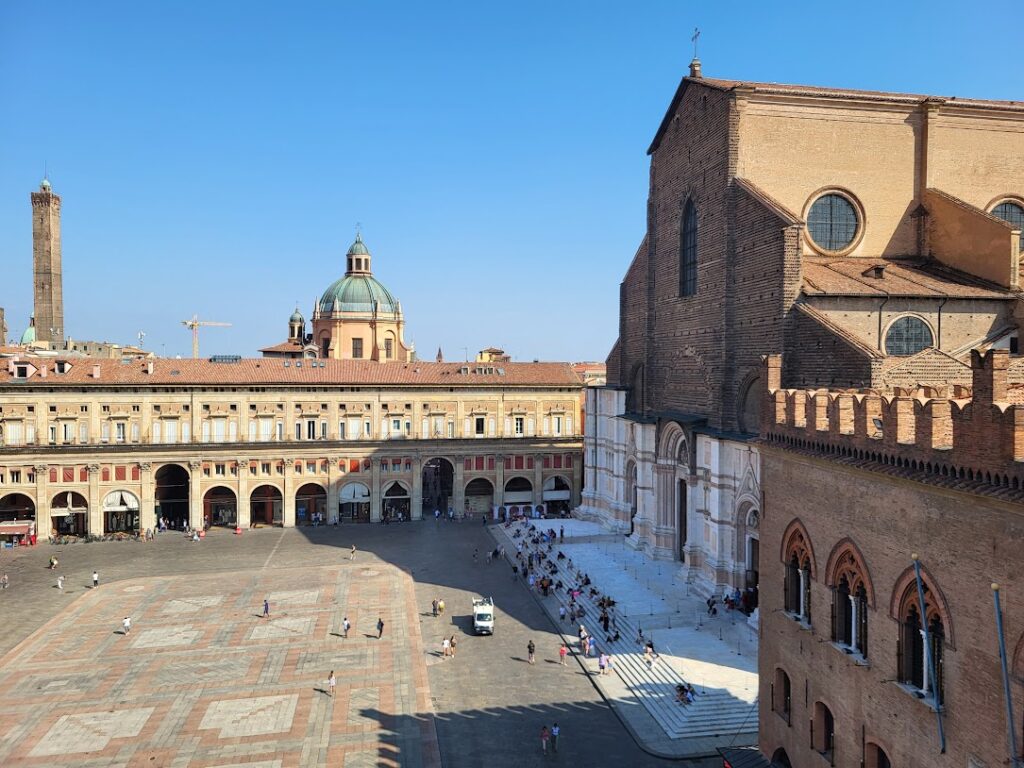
[483, 615]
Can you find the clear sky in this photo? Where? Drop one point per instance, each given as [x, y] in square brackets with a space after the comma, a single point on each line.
[215, 157]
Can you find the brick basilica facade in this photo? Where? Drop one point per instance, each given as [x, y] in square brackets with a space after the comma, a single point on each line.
[871, 243]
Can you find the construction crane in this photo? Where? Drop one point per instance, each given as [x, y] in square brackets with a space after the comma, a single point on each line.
[194, 324]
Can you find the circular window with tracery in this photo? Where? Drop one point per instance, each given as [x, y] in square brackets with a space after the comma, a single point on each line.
[833, 222]
[1011, 212]
[907, 336]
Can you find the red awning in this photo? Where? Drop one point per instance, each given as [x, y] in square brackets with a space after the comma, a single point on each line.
[14, 529]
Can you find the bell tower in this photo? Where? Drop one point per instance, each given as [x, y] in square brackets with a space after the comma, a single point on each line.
[47, 275]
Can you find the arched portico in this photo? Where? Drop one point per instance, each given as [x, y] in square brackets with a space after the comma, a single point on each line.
[120, 512]
[171, 495]
[479, 496]
[397, 502]
[518, 490]
[311, 505]
[438, 478]
[557, 494]
[220, 507]
[266, 506]
[69, 514]
[17, 517]
[354, 503]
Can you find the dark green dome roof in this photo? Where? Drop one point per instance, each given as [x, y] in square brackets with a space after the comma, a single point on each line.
[357, 293]
[297, 317]
[358, 248]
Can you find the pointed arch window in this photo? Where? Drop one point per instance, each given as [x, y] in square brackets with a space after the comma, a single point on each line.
[799, 572]
[688, 251]
[852, 595]
[912, 662]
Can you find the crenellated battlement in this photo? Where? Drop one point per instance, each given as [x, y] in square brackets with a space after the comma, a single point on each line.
[966, 434]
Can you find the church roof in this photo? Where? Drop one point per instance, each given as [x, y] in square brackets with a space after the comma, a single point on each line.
[357, 293]
[273, 371]
[358, 248]
[29, 336]
[853, 276]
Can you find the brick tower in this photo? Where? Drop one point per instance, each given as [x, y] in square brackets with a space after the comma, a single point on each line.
[47, 278]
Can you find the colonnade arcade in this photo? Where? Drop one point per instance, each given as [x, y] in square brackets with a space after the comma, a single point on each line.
[244, 494]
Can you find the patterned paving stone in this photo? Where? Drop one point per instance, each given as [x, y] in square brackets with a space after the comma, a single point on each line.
[166, 638]
[287, 627]
[192, 604]
[251, 717]
[91, 731]
[195, 673]
[293, 597]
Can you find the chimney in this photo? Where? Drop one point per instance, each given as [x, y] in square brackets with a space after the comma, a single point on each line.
[96, 371]
[695, 68]
[149, 367]
[42, 371]
[989, 374]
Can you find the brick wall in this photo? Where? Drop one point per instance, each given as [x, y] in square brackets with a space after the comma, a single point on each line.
[965, 542]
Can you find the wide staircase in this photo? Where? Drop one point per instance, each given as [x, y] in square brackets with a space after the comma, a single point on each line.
[715, 712]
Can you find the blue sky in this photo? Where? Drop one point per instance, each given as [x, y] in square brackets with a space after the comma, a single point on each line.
[214, 157]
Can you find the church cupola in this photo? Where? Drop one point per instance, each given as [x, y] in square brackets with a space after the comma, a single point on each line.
[297, 327]
[358, 257]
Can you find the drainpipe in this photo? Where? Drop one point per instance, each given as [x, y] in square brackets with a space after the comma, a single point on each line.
[1011, 733]
[929, 660]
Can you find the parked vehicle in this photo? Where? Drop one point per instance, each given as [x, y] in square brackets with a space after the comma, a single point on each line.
[483, 615]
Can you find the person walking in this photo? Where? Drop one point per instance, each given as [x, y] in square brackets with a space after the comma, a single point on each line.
[60, 583]
[3, 581]
[352, 554]
[561, 535]
[561, 613]
[433, 607]
[555, 733]
[440, 607]
[95, 579]
[345, 627]
[266, 608]
[380, 627]
[453, 643]
[545, 734]
[602, 665]
[332, 682]
[562, 653]
[126, 625]
[446, 648]
[530, 650]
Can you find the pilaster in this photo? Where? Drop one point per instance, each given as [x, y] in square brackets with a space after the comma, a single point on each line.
[42, 500]
[288, 502]
[333, 483]
[147, 500]
[499, 481]
[375, 489]
[459, 491]
[538, 479]
[242, 508]
[95, 515]
[195, 494]
[416, 501]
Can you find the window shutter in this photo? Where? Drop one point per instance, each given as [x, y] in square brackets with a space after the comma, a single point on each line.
[529, 427]
[490, 427]
[425, 428]
[508, 426]
[156, 431]
[252, 431]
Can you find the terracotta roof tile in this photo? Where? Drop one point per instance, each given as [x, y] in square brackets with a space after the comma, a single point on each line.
[827, 276]
[270, 371]
[284, 346]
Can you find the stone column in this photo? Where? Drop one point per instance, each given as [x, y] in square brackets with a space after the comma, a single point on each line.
[499, 480]
[195, 496]
[416, 501]
[147, 499]
[459, 491]
[242, 508]
[94, 521]
[43, 524]
[577, 481]
[538, 479]
[288, 502]
[375, 490]
[332, 489]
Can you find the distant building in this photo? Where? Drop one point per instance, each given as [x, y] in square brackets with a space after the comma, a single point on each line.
[492, 355]
[593, 374]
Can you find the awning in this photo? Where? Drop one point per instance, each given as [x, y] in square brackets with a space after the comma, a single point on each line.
[15, 529]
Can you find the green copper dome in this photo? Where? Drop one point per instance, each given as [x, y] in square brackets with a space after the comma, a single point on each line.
[296, 317]
[29, 336]
[357, 293]
[357, 248]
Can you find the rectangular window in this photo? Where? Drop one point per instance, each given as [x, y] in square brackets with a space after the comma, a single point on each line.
[206, 431]
[478, 427]
[396, 426]
[310, 429]
[219, 470]
[265, 467]
[186, 432]
[323, 430]
[367, 429]
[252, 431]
[233, 430]
[53, 433]
[68, 431]
[558, 425]
[219, 430]
[520, 426]
[280, 431]
[298, 430]
[490, 427]
[83, 432]
[389, 348]
[451, 429]
[547, 426]
[357, 349]
[136, 432]
[119, 431]
[266, 430]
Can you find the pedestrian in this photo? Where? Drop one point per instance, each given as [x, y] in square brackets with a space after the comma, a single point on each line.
[453, 644]
[345, 627]
[437, 515]
[433, 606]
[561, 533]
[530, 650]
[440, 607]
[562, 653]
[3, 581]
[561, 613]
[515, 573]
[266, 608]
[483, 519]
[352, 555]
[126, 625]
[95, 579]
[586, 646]
[446, 647]
[332, 681]
[60, 583]
[476, 556]
[380, 628]
[545, 734]
[555, 733]
[602, 664]
[649, 656]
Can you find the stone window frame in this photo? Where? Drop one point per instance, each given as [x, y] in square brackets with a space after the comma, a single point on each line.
[903, 603]
[846, 564]
[858, 209]
[1010, 198]
[904, 316]
[797, 554]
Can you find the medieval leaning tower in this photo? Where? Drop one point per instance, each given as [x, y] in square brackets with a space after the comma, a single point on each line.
[46, 266]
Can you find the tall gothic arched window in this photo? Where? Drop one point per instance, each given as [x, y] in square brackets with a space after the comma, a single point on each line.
[912, 662]
[851, 595]
[797, 586]
[688, 251]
